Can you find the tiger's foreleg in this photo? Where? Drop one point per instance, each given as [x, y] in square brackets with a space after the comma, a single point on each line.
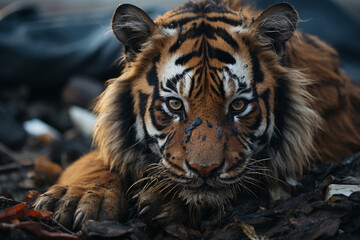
[86, 190]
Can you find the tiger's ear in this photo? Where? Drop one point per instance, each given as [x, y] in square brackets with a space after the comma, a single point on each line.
[277, 24]
[132, 27]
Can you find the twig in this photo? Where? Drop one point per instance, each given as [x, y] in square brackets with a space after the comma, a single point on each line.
[6, 151]
[263, 214]
[62, 227]
[15, 166]
[49, 227]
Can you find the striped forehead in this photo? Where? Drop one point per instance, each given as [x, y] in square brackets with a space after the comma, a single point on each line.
[225, 81]
[204, 51]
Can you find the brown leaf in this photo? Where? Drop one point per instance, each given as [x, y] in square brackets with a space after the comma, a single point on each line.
[35, 229]
[15, 212]
[31, 195]
[42, 214]
[21, 210]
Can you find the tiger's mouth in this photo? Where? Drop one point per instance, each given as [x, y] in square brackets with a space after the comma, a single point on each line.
[215, 190]
[204, 185]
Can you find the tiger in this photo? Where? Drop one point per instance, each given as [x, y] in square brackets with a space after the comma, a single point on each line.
[215, 100]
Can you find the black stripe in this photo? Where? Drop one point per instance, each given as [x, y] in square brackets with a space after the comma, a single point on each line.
[265, 97]
[227, 38]
[198, 93]
[225, 20]
[153, 108]
[219, 84]
[221, 89]
[193, 82]
[187, 57]
[192, 33]
[161, 136]
[258, 120]
[142, 106]
[242, 89]
[151, 76]
[221, 55]
[258, 74]
[172, 82]
[242, 144]
[281, 110]
[128, 118]
[181, 22]
[167, 143]
[215, 78]
[176, 167]
[215, 90]
[243, 138]
[208, 31]
[142, 103]
[164, 89]
[233, 76]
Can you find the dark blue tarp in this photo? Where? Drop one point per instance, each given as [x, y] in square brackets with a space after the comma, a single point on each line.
[45, 52]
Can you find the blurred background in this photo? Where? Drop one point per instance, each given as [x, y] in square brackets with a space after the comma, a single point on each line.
[56, 55]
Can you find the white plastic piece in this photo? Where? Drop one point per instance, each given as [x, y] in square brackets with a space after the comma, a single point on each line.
[343, 189]
[36, 127]
[83, 120]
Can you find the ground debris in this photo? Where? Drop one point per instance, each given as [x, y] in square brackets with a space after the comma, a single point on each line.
[20, 221]
[307, 215]
[114, 230]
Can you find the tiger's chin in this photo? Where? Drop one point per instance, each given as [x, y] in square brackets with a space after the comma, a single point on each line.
[207, 197]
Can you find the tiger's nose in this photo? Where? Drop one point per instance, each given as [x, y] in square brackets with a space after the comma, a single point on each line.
[205, 171]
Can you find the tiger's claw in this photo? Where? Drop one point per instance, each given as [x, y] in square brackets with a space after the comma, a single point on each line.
[79, 217]
[144, 210]
[161, 216]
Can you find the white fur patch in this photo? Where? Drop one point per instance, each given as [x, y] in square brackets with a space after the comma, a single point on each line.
[239, 69]
[187, 84]
[169, 31]
[170, 70]
[260, 131]
[239, 29]
[226, 83]
[151, 129]
[140, 135]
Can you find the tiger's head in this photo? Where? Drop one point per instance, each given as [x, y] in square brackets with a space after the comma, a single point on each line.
[205, 95]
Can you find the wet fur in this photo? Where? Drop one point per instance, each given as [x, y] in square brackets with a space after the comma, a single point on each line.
[317, 120]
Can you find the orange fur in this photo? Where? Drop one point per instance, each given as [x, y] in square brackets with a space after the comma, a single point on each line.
[321, 122]
[336, 97]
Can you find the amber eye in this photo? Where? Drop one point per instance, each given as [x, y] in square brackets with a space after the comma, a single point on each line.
[238, 105]
[175, 104]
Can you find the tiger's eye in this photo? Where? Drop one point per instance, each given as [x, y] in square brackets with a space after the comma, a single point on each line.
[238, 104]
[175, 104]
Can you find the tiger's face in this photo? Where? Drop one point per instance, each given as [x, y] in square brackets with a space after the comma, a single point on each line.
[199, 92]
[208, 108]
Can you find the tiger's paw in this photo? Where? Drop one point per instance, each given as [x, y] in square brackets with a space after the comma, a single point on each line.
[74, 205]
[155, 210]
